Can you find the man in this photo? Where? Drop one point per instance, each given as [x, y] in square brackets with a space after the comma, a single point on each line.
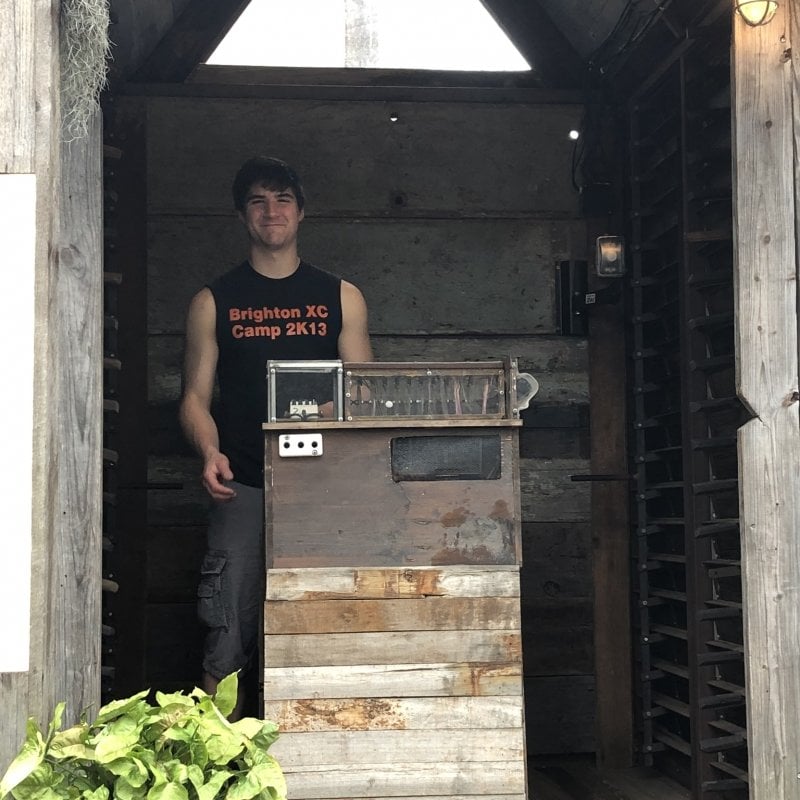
[250, 315]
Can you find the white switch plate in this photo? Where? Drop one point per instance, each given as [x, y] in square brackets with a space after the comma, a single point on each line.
[292, 445]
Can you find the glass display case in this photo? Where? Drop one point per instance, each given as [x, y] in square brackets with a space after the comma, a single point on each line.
[304, 391]
[426, 391]
[330, 390]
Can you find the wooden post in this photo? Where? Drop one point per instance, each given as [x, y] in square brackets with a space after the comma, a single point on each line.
[765, 218]
[65, 562]
[77, 406]
[29, 146]
[610, 540]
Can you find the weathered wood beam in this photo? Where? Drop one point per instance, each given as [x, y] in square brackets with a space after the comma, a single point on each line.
[64, 658]
[199, 29]
[77, 409]
[360, 77]
[240, 82]
[610, 533]
[765, 95]
[29, 127]
[540, 42]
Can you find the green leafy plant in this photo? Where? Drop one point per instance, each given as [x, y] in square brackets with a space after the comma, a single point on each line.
[183, 748]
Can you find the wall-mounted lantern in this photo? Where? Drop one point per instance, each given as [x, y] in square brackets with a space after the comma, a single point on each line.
[610, 259]
[756, 12]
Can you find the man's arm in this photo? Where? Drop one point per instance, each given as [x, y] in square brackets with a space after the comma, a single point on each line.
[354, 339]
[195, 410]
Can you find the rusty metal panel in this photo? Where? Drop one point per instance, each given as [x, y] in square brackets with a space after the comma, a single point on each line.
[344, 508]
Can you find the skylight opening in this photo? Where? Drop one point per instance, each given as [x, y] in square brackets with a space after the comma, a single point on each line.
[382, 34]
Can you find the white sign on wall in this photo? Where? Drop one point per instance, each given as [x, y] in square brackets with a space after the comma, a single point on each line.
[18, 235]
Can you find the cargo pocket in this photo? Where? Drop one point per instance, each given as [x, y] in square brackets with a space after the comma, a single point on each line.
[210, 607]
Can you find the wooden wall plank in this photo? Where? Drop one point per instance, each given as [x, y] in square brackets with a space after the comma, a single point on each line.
[766, 340]
[560, 712]
[41, 693]
[393, 647]
[393, 582]
[30, 144]
[436, 154]
[425, 614]
[379, 713]
[611, 533]
[557, 599]
[557, 637]
[766, 268]
[483, 743]
[394, 680]
[559, 363]
[18, 21]
[77, 548]
[326, 81]
[176, 497]
[418, 276]
[442, 670]
[483, 778]
[549, 494]
[556, 560]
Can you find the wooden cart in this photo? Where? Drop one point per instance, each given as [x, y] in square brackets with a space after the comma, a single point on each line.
[392, 654]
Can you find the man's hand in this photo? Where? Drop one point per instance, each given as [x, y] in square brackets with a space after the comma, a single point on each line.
[216, 470]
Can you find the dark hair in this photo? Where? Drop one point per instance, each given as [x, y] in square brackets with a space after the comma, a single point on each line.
[271, 173]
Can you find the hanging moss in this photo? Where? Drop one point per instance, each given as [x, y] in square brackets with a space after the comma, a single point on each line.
[85, 50]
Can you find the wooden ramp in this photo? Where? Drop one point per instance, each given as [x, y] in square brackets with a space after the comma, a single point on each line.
[396, 682]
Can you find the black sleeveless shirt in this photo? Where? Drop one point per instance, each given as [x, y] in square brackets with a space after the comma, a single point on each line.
[260, 318]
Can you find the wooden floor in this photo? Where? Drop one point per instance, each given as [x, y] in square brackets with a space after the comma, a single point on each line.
[576, 778]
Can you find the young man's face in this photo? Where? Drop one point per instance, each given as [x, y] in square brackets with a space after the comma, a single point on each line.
[271, 217]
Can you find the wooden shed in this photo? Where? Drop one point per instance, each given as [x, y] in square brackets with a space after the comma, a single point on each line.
[660, 462]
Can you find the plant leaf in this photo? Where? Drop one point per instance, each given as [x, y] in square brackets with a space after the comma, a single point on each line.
[174, 698]
[177, 772]
[40, 783]
[195, 774]
[226, 694]
[223, 746]
[131, 769]
[248, 726]
[257, 780]
[168, 791]
[71, 743]
[30, 757]
[116, 739]
[211, 788]
[198, 754]
[118, 707]
[271, 776]
[55, 723]
[43, 793]
[267, 735]
[124, 790]
[100, 793]
[245, 788]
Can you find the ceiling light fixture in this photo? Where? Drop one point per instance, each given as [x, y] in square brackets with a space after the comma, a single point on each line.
[756, 12]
